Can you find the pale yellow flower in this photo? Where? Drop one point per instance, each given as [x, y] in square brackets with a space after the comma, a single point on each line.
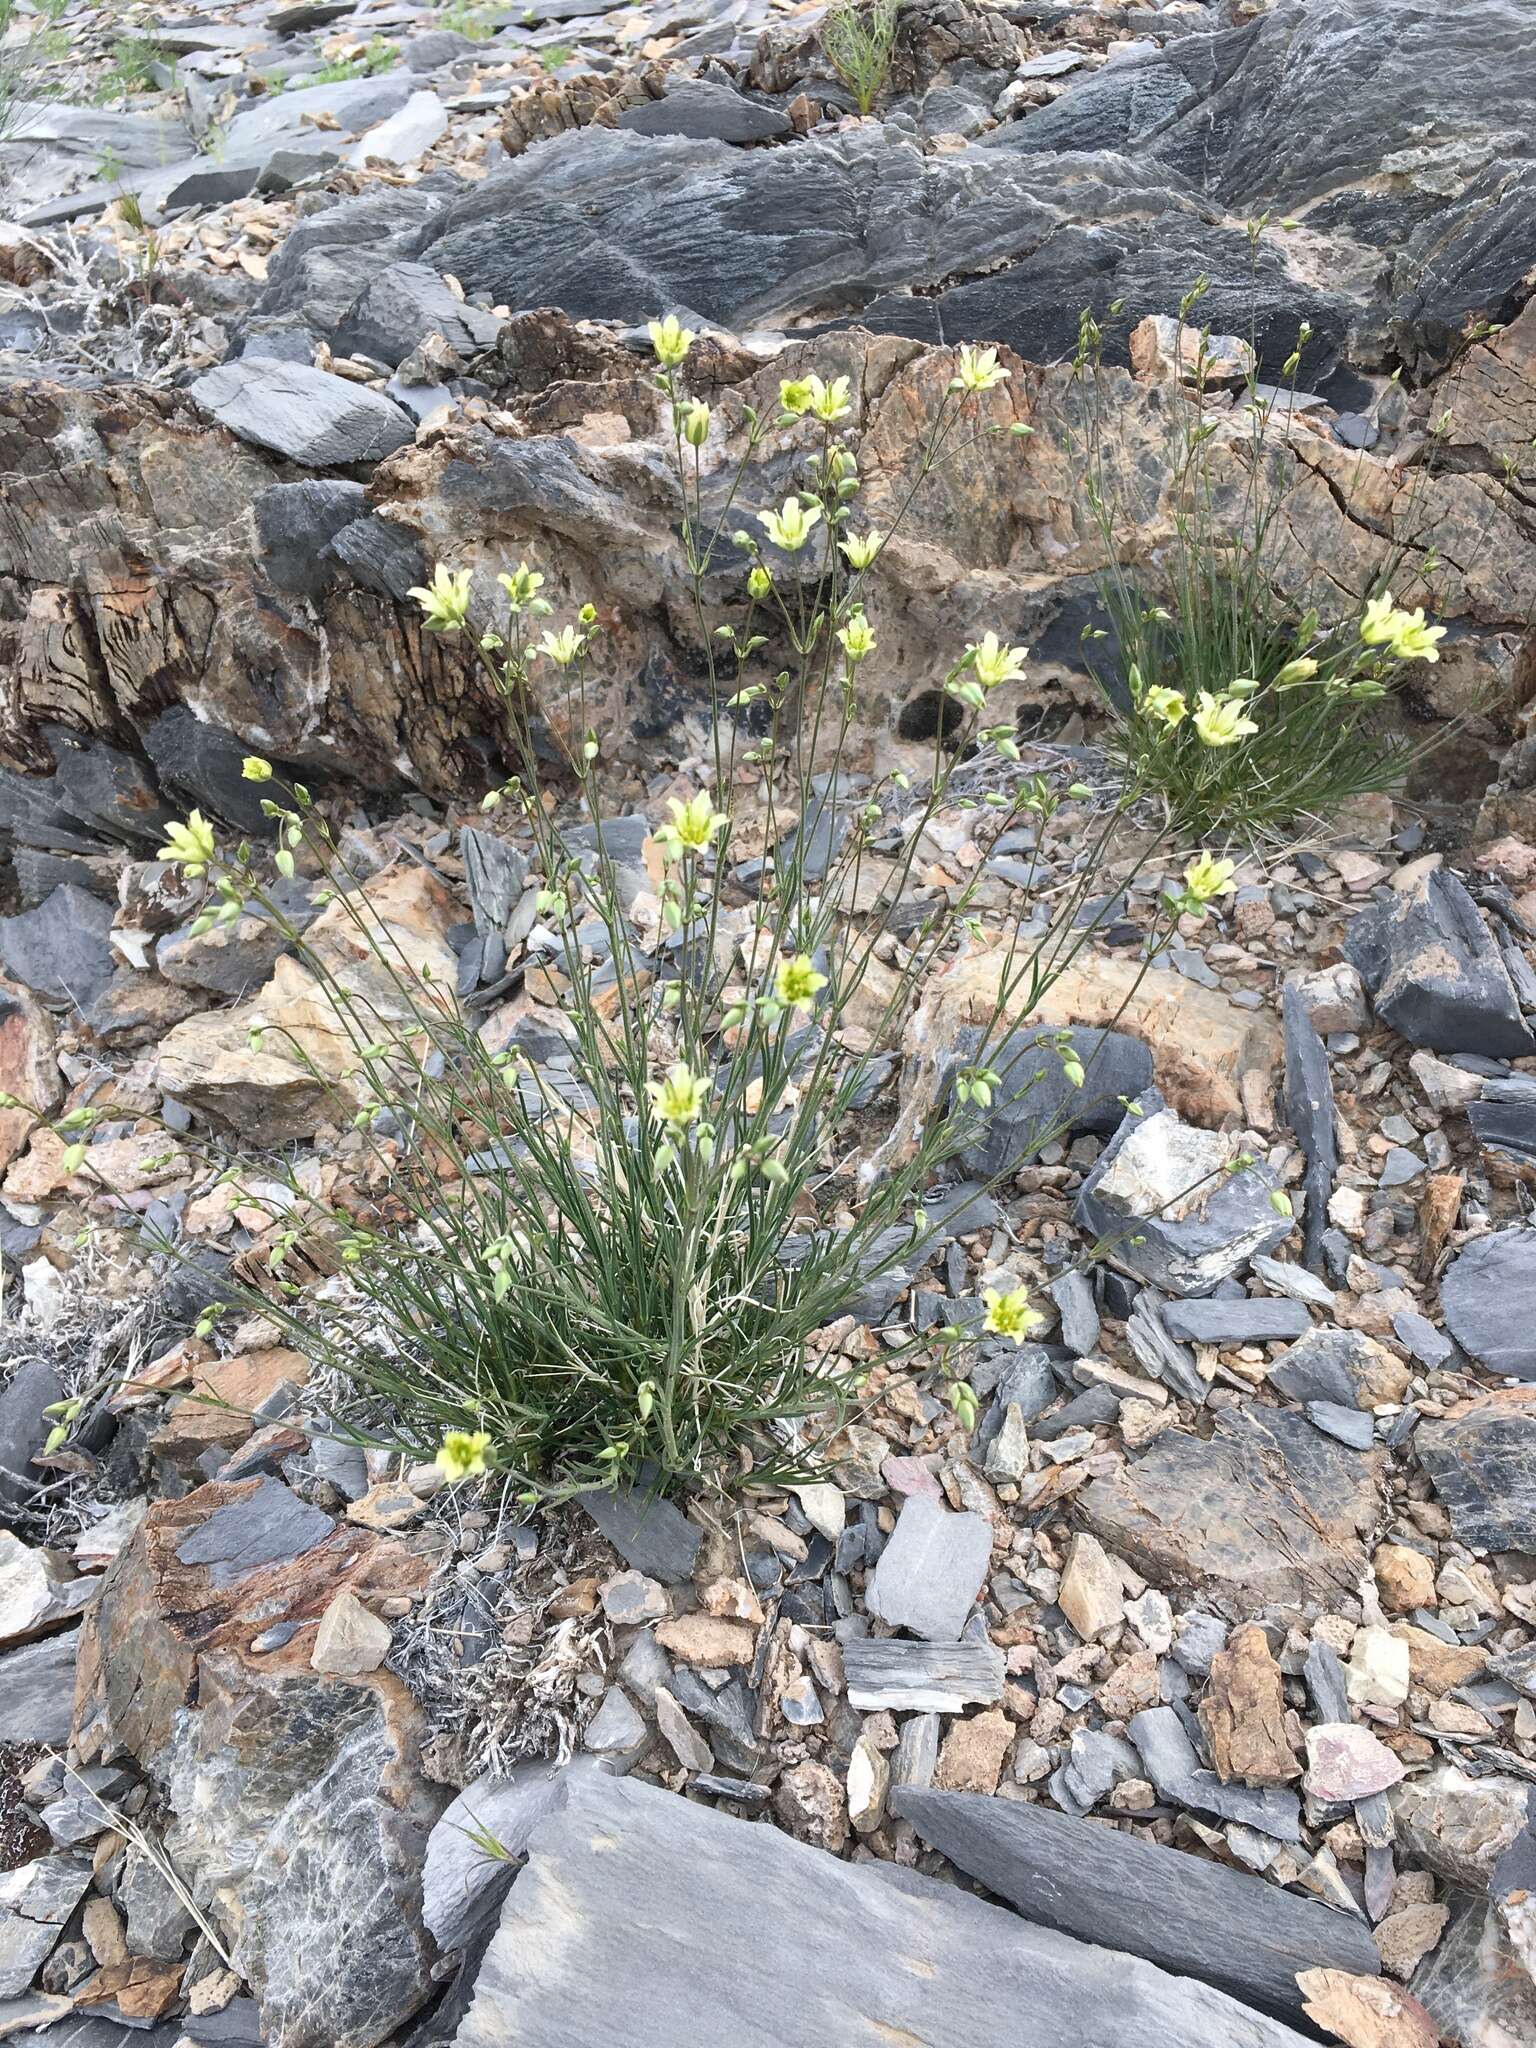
[254, 769]
[696, 424]
[462, 1455]
[830, 402]
[677, 1100]
[1413, 640]
[797, 984]
[190, 846]
[979, 370]
[521, 586]
[1168, 705]
[862, 548]
[993, 663]
[692, 827]
[857, 637]
[1376, 624]
[790, 527]
[671, 340]
[1206, 878]
[1301, 670]
[445, 600]
[1010, 1315]
[563, 647]
[797, 393]
[1220, 721]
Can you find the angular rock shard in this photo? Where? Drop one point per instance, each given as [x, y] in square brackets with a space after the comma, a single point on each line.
[1198, 1919]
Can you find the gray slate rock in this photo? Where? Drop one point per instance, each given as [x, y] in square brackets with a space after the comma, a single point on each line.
[647, 1532]
[1328, 1365]
[24, 1427]
[1282, 1511]
[1035, 1102]
[1488, 1297]
[1236, 1322]
[653, 1919]
[306, 414]
[1169, 1210]
[1188, 1915]
[264, 1528]
[35, 1901]
[921, 1678]
[1482, 1465]
[59, 950]
[706, 111]
[1073, 1296]
[463, 1886]
[401, 306]
[931, 1570]
[610, 225]
[328, 258]
[1436, 973]
[37, 1691]
[1309, 1112]
[296, 524]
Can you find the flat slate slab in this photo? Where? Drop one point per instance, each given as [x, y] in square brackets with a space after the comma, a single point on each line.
[1489, 1298]
[301, 412]
[1481, 1461]
[1267, 1510]
[1181, 1912]
[648, 1919]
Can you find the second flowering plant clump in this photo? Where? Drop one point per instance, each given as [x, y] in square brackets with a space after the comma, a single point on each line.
[642, 1267]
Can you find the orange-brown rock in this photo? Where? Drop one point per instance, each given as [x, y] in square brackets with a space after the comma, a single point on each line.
[1246, 1721]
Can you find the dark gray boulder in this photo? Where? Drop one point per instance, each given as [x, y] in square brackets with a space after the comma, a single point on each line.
[309, 415]
[1436, 973]
[400, 307]
[328, 258]
[1188, 1915]
[654, 1920]
[612, 225]
[1481, 1462]
[295, 525]
[23, 1428]
[37, 1691]
[1035, 1101]
[59, 950]
[1489, 1299]
[700, 108]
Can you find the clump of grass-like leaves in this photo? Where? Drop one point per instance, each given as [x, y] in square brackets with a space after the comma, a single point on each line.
[1238, 713]
[858, 38]
[639, 1264]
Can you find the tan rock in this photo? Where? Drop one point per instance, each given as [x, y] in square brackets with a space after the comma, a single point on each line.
[1407, 1936]
[1244, 1714]
[972, 1757]
[102, 1927]
[1364, 2012]
[349, 1639]
[707, 1641]
[388, 1504]
[29, 1067]
[40, 1170]
[1439, 1666]
[869, 1781]
[809, 1801]
[1405, 1578]
[1092, 1594]
[1164, 351]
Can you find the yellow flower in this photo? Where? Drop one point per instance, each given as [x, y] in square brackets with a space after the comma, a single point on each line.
[521, 586]
[1220, 721]
[671, 340]
[1376, 625]
[759, 583]
[797, 984]
[190, 846]
[677, 1101]
[1301, 670]
[862, 548]
[830, 402]
[254, 769]
[563, 647]
[692, 827]
[1205, 878]
[1413, 640]
[1010, 1315]
[696, 424]
[979, 369]
[445, 601]
[796, 394]
[463, 1453]
[1168, 705]
[790, 527]
[857, 637]
[994, 663]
